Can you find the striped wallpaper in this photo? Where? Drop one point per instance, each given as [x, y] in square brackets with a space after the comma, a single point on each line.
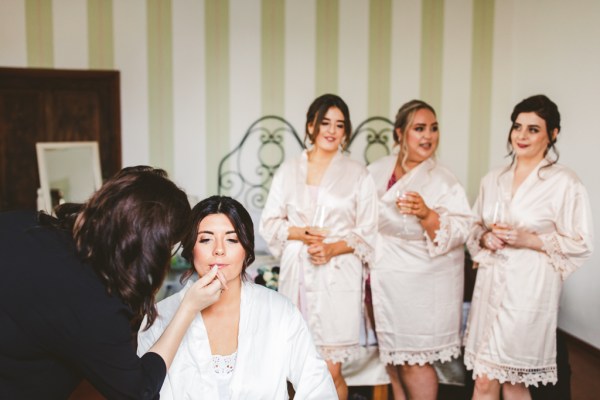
[196, 73]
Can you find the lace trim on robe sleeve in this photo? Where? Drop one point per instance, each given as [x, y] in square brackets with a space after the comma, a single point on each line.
[282, 236]
[480, 255]
[474, 240]
[558, 259]
[362, 250]
[442, 234]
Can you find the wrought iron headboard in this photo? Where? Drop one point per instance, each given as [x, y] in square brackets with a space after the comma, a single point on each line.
[246, 172]
[378, 141]
[249, 182]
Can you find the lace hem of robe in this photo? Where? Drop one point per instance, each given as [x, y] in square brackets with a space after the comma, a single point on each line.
[362, 250]
[503, 373]
[558, 259]
[442, 234]
[339, 354]
[401, 357]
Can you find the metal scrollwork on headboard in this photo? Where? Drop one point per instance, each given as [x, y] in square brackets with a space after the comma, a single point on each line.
[247, 171]
[378, 141]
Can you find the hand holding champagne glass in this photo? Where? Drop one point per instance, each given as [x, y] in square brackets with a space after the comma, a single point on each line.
[317, 232]
[501, 220]
[404, 206]
[318, 225]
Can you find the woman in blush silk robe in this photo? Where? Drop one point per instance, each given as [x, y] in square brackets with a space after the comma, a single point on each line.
[332, 292]
[511, 332]
[274, 345]
[417, 277]
[417, 282]
[523, 258]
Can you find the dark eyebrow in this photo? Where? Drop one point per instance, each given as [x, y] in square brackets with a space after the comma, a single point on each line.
[341, 120]
[212, 233]
[534, 126]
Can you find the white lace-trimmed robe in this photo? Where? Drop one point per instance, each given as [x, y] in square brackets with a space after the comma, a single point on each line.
[417, 283]
[334, 290]
[511, 330]
[274, 345]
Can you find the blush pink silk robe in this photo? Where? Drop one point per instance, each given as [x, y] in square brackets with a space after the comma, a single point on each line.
[416, 282]
[333, 292]
[511, 331]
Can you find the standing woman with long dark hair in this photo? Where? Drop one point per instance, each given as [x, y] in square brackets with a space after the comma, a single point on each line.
[534, 229]
[322, 265]
[75, 288]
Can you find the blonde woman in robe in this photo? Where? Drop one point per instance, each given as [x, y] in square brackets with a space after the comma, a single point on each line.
[323, 273]
[524, 258]
[252, 340]
[417, 277]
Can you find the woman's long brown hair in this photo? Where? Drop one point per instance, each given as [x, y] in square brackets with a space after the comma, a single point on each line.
[126, 232]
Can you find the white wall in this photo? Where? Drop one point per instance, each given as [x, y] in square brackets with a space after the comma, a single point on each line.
[552, 47]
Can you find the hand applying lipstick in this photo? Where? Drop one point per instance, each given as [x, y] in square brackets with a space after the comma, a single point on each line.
[221, 279]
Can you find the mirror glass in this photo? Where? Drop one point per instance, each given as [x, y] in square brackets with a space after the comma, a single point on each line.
[69, 172]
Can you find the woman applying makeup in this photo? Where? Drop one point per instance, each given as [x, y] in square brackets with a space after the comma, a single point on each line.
[252, 340]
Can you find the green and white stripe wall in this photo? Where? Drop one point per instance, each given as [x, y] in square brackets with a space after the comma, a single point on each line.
[196, 73]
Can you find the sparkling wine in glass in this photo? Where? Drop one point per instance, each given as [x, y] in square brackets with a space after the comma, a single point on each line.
[319, 224]
[403, 195]
[501, 217]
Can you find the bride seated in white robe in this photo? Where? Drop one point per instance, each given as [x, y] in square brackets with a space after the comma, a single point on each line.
[251, 341]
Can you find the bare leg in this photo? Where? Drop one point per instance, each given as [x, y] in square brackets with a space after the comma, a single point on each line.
[335, 369]
[515, 392]
[397, 388]
[486, 389]
[420, 382]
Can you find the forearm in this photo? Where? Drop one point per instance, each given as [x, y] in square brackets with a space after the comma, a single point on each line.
[168, 343]
[339, 248]
[296, 233]
[532, 241]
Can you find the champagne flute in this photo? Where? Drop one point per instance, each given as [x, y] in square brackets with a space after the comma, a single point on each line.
[500, 219]
[403, 195]
[318, 224]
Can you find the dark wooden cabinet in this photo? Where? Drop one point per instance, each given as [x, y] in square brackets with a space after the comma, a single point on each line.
[51, 105]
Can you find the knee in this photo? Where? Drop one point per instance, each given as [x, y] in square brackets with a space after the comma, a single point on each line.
[485, 385]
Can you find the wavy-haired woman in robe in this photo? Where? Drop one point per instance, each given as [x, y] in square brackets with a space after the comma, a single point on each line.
[524, 259]
[417, 278]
